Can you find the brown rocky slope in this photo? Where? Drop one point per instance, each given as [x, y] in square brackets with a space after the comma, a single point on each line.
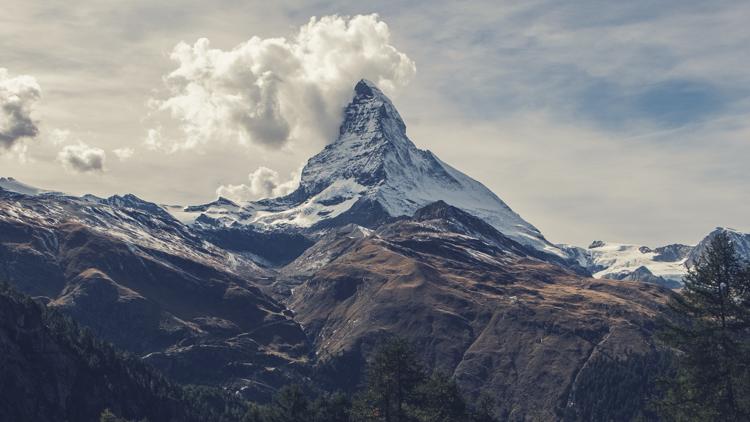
[476, 305]
[144, 282]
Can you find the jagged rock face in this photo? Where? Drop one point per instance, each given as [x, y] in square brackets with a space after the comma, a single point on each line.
[371, 130]
[271, 249]
[672, 253]
[476, 304]
[130, 201]
[143, 281]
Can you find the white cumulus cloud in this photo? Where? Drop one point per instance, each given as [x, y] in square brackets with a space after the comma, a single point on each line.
[82, 158]
[17, 97]
[270, 91]
[263, 183]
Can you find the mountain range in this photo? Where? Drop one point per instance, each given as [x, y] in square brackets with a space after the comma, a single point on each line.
[379, 239]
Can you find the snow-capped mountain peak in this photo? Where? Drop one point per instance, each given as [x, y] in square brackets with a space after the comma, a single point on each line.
[371, 148]
[373, 165]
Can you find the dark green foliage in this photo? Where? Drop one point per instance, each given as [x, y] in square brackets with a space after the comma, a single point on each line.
[108, 416]
[711, 340]
[334, 407]
[438, 399]
[45, 351]
[483, 412]
[619, 389]
[398, 390]
[294, 404]
[291, 404]
[393, 376]
[213, 404]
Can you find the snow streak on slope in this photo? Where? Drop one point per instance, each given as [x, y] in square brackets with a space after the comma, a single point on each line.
[140, 224]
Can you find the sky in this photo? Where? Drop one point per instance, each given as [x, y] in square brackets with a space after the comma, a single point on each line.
[622, 121]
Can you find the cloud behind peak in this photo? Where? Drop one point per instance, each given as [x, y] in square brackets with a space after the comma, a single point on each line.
[272, 91]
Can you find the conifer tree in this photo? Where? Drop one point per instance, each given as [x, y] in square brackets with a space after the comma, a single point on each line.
[709, 333]
[291, 404]
[438, 399]
[393, 375]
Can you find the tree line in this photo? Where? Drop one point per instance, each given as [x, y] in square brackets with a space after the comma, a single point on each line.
[397, 389]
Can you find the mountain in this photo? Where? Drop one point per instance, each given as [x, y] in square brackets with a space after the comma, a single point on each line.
[478, 305]
[370, 173]
[50, 374]
[665, 265]
[142, 280]
[498, 315]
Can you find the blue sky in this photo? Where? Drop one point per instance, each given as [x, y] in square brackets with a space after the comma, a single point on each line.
[623, 121]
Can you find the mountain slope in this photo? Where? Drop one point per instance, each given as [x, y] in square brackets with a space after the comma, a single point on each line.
[373, 165]
[477, 304]
[140, 279]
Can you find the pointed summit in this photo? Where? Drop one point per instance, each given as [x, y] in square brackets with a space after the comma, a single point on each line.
[366, 89]
[371, 114]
